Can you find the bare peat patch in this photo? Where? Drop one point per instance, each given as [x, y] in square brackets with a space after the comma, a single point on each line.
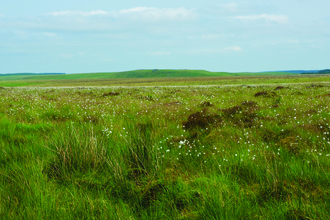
[314, 86]
[111, 94]
[281, 87]
[206, 104]
[265, 94]
[200, 120]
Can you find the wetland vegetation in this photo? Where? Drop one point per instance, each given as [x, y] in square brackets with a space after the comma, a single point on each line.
[186, 152]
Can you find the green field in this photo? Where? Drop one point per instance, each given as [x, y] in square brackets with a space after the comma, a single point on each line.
[131, 78]
[132, 74]
[253, 147]
[157, 78]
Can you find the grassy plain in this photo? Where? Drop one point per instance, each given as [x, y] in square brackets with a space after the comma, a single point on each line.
[159, 73]
[207, 152]
[123, 78]
[94, 80]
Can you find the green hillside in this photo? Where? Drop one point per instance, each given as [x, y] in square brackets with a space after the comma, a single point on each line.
[132, 74]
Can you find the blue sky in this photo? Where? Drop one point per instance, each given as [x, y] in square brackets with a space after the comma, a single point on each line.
[74, 36]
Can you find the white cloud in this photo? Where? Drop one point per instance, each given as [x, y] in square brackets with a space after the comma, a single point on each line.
[159, 53]
[155, 14]
[145, 13]
[209, 37]
[50, 34]
[215, 51]
[139, 19]
[22, 34]
[204, 51]
[290, 42]
[233, 48]
[108, 60]
[268, 17]
[136, 9]
[230, 6]
[66, 55]
[293, 41]
[204, 37]
[81, 13]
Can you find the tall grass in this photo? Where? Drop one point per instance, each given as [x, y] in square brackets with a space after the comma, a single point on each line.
[241, 152]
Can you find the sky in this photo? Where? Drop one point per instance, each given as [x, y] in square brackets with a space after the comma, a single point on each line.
[72, 36]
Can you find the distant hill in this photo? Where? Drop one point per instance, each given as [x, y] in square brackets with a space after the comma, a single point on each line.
[326, 71]
[147, 73]
[24, 74]
[160, 73]
[300, 71]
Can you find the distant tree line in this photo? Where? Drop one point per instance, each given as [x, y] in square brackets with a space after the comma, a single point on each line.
[325, 71]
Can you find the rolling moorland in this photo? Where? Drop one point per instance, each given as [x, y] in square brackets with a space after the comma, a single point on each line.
[156, 77]
[230, 147]
[31, 78]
